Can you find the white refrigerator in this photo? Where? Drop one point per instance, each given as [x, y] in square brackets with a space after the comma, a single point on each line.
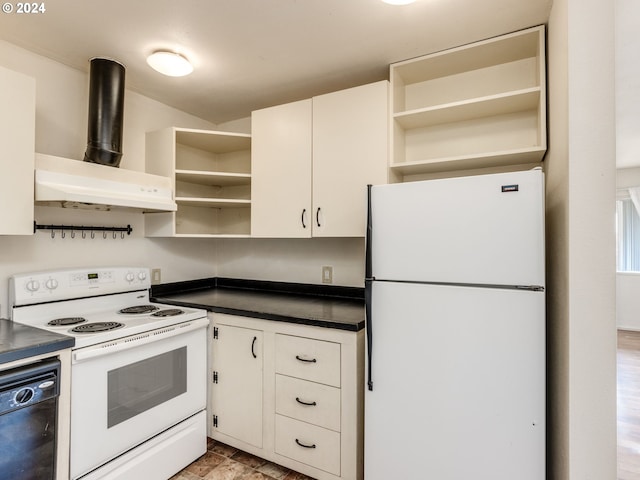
[455, 325]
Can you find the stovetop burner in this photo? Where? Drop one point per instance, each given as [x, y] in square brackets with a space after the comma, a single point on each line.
[97, 327]
[168, 312]
[139, 309]
[65, 321]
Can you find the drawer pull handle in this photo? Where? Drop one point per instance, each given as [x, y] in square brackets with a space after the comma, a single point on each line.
[312, 360]
[310, 404]
[305, 446]
[253, 344]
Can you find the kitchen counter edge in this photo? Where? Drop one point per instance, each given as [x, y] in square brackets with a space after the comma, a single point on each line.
[18, 342]
[178, 294]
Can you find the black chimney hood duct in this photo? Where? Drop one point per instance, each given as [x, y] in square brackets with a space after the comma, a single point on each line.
[106, 108]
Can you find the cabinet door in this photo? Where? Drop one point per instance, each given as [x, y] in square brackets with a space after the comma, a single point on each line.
[350, 150]
[281, 171]
[17, 136]
[236, 398]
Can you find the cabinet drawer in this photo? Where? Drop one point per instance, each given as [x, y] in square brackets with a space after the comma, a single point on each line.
[311, 445]
[314, 360]
[308, 401]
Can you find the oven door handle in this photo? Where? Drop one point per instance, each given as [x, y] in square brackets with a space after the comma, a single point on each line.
[138, 340]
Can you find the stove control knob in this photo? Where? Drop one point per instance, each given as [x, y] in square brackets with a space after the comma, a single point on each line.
[130, 277]
[23, 396]
[142, 276]
[33, 285]
[51, 284]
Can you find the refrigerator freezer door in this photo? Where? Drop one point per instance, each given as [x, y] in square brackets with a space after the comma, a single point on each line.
[486, 229]
[458, 384]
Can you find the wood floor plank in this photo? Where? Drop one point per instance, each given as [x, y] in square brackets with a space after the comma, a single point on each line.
[628, 382]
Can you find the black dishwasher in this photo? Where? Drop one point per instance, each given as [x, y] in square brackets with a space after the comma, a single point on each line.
[28, 412]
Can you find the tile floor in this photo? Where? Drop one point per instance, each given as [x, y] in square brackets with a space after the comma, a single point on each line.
[222, 462]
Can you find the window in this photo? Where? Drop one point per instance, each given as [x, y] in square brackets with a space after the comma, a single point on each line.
[628, 236]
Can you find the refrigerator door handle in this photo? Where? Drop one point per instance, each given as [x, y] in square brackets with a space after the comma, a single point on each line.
[368, 285]
[368, 266]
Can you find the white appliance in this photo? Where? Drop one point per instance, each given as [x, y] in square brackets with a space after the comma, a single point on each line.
[456, 329]
[77, 184]
[138, 373]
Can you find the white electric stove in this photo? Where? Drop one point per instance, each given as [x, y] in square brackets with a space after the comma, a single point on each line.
[93, 306]
[138, 373]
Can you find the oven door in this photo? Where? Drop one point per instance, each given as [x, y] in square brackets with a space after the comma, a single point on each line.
[126, 391]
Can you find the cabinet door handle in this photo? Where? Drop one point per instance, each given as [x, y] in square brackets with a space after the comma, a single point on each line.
[312, 360]
[304, 211]
[318, 216]
[305, 446]
[309, 404]
[253, 344]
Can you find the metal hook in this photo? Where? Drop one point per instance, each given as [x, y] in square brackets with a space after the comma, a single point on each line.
[73, 234]
[104, 235]
[122, 235]
[84, 234]
[114, 235]
[93, 234]
[62, 234]
[53, 234]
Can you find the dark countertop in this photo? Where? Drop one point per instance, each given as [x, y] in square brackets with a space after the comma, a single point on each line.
[318, 305]
[19, 341]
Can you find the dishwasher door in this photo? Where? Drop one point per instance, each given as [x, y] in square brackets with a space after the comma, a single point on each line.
[28, 412]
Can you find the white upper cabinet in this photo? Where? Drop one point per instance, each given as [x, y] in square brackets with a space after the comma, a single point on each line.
[211, 177]
[281, 165]
[350, 151]
[475, 106]
[312, 160]
[17, 137]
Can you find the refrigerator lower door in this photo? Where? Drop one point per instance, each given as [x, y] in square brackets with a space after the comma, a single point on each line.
[458, 377]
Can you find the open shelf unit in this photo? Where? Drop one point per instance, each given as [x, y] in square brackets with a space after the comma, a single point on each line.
[211, 175]
[475, 106]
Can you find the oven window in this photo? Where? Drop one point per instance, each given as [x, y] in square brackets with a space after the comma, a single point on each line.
[140, 386]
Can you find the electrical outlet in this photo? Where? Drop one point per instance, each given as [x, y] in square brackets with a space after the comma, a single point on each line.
[327, 274]
[156, 276]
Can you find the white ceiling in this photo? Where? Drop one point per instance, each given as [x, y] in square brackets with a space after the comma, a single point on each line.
[250, 54]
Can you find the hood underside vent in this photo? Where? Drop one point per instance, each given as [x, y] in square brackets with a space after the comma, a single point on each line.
[77, 184]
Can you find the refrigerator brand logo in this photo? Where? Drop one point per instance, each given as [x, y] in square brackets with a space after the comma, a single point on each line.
[509, 188]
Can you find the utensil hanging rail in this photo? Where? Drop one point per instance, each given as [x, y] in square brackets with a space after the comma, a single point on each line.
[83, 229]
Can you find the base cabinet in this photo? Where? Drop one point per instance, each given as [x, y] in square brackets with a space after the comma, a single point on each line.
[237, 378]
[302, 393]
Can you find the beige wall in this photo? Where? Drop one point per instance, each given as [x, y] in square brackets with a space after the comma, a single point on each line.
[293, 260]
[580, 241]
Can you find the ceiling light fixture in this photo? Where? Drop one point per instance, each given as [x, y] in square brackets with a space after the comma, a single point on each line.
[398, 2]
[169, 63]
